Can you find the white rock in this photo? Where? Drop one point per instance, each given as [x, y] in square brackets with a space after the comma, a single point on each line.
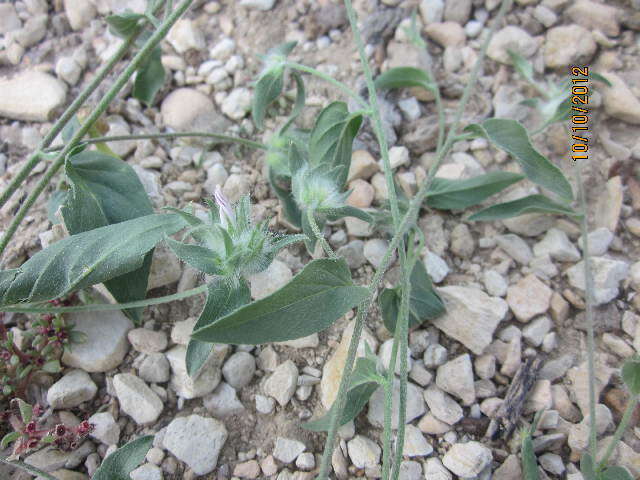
[265, 404]
[456, 377]
[136, 399]
[105, 428]
[398, 156]
[207, 379]
[181, 331]
[79, 13]
[263, 5]
[237, 104]
[607, 275]
[415, 405]
[197, 441]
[528, 298]
[147, 341]
[185, 35]
[567, 45]
[385, 356]
[188, 108]
[165, 268]
[434, 470]
[276, 276]
[436, 267]
[599, 241]
[619, 101]
[9, 19]
[106, 343]
[434, 355]
[71, 390]
[442, 406]
[223, 49]
[31, 96]
[68, 70]
[515, 247]
[536, 330]
[238, 370]
[282, 383]
[513, 38]
[374, 251]
[431, 11]
[557, 245]
[495, 283]
[552, 463]
[147, 471]
[471, 316]
[467, 460]
[363, 452]
[287, 450]
[223, 401]
[415, 445]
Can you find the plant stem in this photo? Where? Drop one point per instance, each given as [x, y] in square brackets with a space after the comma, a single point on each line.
[441, 117]
[622, 426]
[589, 301]
[120, 82]
[407, 221]
[328, 78]
[153, 136]
[108, 306]
[388, 406]
[319, 236]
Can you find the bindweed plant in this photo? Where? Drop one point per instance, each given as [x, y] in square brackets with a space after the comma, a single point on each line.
[114, 229]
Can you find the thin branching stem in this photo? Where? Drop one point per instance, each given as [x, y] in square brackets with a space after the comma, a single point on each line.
[170, 135]
[120, 82]
[589, 302]
[328, 78]
[319, 236]
[408, 220]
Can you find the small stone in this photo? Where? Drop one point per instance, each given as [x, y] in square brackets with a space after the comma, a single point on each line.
[357, 227]
[431, 11]
[509, 470]
[31, 96]
[263, 5]
[446, 34]
[617, 345]
[619, 102]
[436, 267]
[265, 404]
[430, 425]
[434, 355]
[237, 104]
[189, 109]
[596, 16]
[147, 471]
[287, 450]
[282, 383]
[515, 247]
[536, 330]
[165, 268]
[136, 399]
[434, 470]
[238, 370]
[442, 406]
[398, 156]
[105, 428]
[410, 470]
[529, 224]
[374, 251]
[197, 441]
[495, 283]
[511, 38]
[579, 378]
[181, 331]
[363, 452]
[456, 377]
[415, 445]
[68, 70]
[457, 11]
[362, 194]
[79, 13]
[607, 275]
[462, 243]
[485, 366]
[269, 466]
[353, 253]
[276, 276]
[249, 469]
[185, 36]
[207, 378]
[223, 401]
[74, 388]
[567, 45]
[106, 340]
[540, 398]
[147, 341]
[385, 356]
[557, 245]
[9, 19]
[609, 205]
[467, 460]
[528, 298]
[599, 241]
[236, 186]
[415, 405]
[363, 165]
[306, 461]
[471, 316]
[154, 368]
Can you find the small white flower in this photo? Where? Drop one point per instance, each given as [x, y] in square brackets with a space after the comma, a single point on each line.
[227, 216]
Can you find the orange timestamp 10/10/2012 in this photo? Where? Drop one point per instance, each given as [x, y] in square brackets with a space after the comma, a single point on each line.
[579, 112]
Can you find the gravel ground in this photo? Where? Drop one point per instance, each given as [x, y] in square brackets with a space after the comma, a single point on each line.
[513, 289]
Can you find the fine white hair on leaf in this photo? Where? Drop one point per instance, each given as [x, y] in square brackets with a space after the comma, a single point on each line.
[226, 211]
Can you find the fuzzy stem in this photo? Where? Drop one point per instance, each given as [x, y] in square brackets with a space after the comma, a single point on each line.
[319, 236]
[120, 82]
[153, 136]
[622, 426]
[388, 407]
[108, 306]
[328, 78]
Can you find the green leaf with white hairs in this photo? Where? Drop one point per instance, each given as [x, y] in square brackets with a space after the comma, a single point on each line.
[222, 299]
[521, 65]
[26, 410]
[401, 77]
[615, 473]
[105, 191]
[315, 298]
[200, 258]
[332, 138]
[86, 259]
[124, 24]
[149, 78]
[631, 374]
[512, 137]
[447, 194]
[124, 460]
[530, 204]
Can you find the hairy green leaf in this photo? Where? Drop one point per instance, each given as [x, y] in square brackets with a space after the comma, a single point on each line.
[424, 303]
[447, 194]
[149, 78]
[123, 24]
[529, 460]
[631, 374]
[200, 258]
[400, 77]
[315, 298]
[289, 207]
[332, 138]
[363, 385]
[301, 97]
[615, 473]
[58, 198]
[222, 299]
[349, 211]
[512, 137]
[124, 460]
[529, 204]
[587, 467]
[26, 410]
[105, 191]
[86, 259]
[521, 65]
[8, 439]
